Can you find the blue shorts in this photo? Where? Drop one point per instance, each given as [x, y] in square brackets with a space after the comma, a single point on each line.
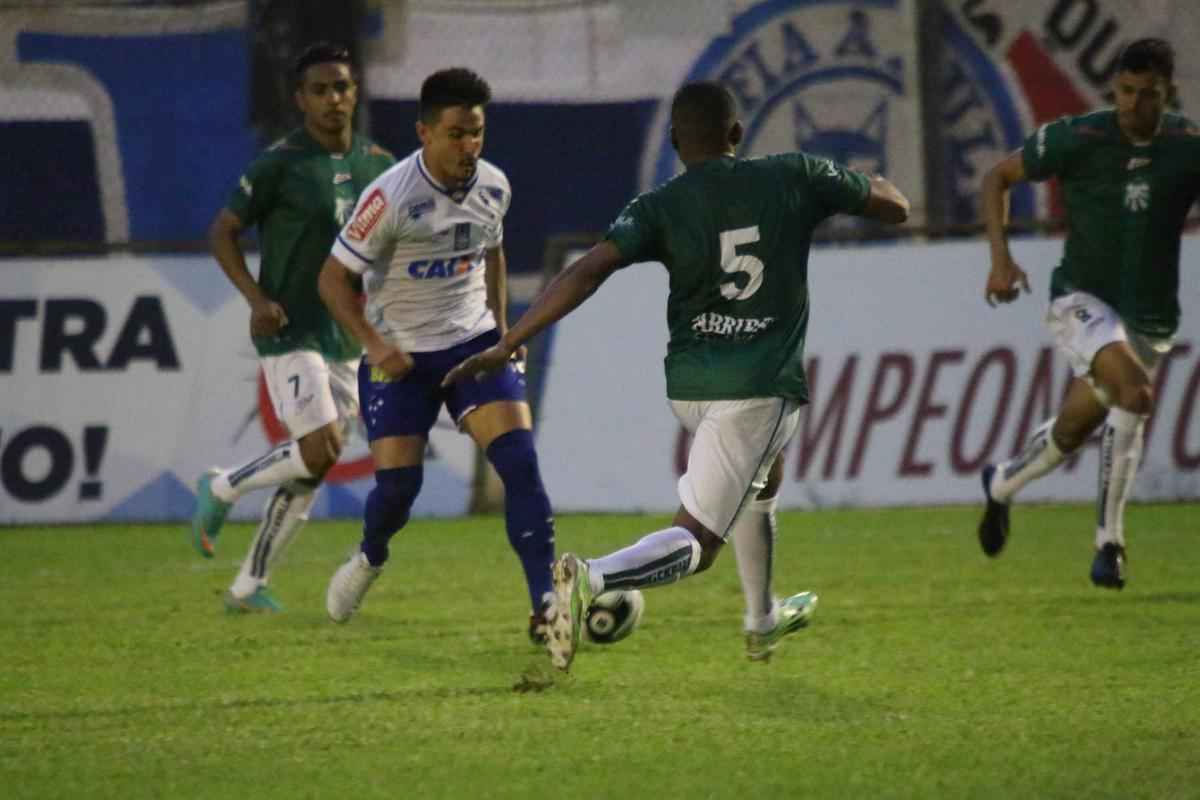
[410, 406]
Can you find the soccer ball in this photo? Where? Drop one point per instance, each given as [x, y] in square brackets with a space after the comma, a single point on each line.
[614, 615]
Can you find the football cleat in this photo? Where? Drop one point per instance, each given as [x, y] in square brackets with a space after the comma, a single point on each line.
[993, 528]
[209, 515]
[572, 596]
[1108, 567]
[538, 628]
[791, 615]
[259, 601]
[348, 587]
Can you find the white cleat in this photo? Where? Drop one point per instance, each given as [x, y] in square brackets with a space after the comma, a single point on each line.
[564, 618]
[348, 587]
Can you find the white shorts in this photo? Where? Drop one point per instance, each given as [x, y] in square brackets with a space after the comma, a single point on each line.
[309, 392]
[734, 443]
[1083, 324]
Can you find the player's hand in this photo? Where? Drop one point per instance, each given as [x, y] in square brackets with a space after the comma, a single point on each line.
[391, 359]
[1005, 282]
[267, 318]
[490, 360]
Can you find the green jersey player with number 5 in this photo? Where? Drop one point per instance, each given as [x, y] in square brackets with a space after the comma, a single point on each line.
[734, 235]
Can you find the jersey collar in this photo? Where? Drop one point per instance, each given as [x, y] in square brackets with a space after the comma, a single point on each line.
[306, 139]
[457, 194]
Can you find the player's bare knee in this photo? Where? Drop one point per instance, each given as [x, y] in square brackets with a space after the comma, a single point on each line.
[321, 450]
[1136, 399]
[710, 548]
[774, 480]
[1069, 435]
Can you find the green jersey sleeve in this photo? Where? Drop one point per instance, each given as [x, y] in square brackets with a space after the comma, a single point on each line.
[254, 194]
[633, 232]
[1046, 152]
[840, 190]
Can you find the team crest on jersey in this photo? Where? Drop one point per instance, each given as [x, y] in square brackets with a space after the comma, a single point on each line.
[368, 216]
[1137, 195]
[835, 78]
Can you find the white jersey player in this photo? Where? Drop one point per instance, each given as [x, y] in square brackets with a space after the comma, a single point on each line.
[426, 238]
[423, 253]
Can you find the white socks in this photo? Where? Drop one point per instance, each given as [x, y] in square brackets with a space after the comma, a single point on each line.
[285, 514]
[753, 538]
[1040, 455]
[1120, 454]
[654, 560]
[276, 468]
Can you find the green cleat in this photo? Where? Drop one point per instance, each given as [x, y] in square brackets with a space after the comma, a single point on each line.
[208, 517]
[793, 614]
[260, 601]
[564, 618]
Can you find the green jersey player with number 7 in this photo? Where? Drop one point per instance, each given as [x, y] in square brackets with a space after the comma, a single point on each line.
[299, 193]
[734, 234]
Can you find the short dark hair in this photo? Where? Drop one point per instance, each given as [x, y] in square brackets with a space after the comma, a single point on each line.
[703, 112]
[450, 88]
[320, 53]
[1144, 55]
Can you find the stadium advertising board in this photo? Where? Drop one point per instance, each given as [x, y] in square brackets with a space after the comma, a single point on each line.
[124, 378]
[916, 384]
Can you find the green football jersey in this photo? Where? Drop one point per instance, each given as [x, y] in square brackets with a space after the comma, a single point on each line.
[299, 195]
[734, 235]
[1126, 205]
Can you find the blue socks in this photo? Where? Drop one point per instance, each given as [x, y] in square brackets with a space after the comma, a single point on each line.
[387, 509]
[527, 514]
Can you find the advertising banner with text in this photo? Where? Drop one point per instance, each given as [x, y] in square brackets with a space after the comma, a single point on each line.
[916, 384]
[122, 379]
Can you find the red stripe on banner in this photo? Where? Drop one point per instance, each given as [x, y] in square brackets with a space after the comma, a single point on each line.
[1050, 91]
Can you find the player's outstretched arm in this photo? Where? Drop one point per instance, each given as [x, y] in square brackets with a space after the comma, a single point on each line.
[1006, 279]
[266, 316]
[336, 285]
[886, 203]
[562, 296]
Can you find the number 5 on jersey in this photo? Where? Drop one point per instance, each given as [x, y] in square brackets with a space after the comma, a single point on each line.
[735, 263]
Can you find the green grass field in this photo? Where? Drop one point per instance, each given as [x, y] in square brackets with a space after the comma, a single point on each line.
[929, 671]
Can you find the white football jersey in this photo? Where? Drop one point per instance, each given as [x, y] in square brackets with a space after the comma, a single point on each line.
[422, 248]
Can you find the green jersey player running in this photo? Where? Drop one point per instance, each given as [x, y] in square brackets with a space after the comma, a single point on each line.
[734, 234]
[299, 193]
[1129, 175]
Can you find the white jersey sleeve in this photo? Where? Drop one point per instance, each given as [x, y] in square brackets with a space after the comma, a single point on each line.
[422, 249]
[503, 195]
